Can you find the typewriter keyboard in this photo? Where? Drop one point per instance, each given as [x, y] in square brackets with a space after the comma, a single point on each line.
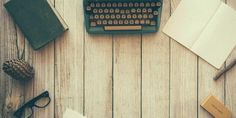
[122, 15]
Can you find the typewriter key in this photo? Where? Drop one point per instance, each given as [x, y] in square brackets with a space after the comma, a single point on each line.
[92, 5]
[108, 4]
[153, 4]
[97, 4]
[93, 24]
[155, 13]
[104, 22]
[131, 4]
[141, 4]
[158, 4]
[120, 4]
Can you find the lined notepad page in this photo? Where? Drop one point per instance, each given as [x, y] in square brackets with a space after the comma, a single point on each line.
[206, 27]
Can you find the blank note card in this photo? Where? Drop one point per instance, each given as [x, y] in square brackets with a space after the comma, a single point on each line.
[206, 27]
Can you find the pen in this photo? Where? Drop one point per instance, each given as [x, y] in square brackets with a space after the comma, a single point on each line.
[231, 65]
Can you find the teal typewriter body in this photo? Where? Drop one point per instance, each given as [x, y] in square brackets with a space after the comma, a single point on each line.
[122, 16]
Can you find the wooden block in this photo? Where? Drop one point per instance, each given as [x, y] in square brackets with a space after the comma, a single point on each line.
[216, 108]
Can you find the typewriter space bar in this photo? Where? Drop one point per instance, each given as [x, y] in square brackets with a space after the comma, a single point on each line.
[117, 28]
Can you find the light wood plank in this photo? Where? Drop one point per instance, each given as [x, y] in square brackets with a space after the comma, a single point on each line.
[98, 76]
[127, 76]
[155, 71]
[183, 80]
[69, 61]
[11, 91]
[230, 81]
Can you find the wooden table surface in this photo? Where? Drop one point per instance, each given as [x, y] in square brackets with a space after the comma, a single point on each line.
[112, 76]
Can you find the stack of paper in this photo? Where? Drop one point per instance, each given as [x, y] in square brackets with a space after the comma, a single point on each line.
[206, 27]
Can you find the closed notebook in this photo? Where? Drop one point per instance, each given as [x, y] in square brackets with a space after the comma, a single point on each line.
[206, 27]
[37, 19]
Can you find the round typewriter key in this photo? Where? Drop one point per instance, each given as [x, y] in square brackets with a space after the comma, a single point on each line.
[97, 4]
[153, 22]
[134, 16]
[147, 4]
[93, 24]
[118, 16]
[91, 17]
[131, 4]
[107, 16]
[142, 22]
[123, 16]
[104, 22]
[139, 10]
[111, 11]
[122, 11]
[110, 22]
[133, 10]
[144, 10]
[153, 4]
[121, 22]
[141, 4]
[158, 4]
[129, 16]
[155, 13]
[108, 4]
[106, 10]
[120, 4]
[99, 22]
[96, 16]
[147, 22]
[131, 22]
[126, 22]
[149, 10]
[92, 5]
[113, 16]
[95, 11]
[102, 16]
[140, 16]
[88, 8]
[103, 4]
[117, 10]
[100, 11]
[114, 5]
[136, 22]
[136, 4]
[145, 16]
[115, 22]
[125, 4]
[127, 11]
[150, 16]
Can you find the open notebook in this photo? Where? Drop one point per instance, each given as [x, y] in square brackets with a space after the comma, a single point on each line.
[206, 27]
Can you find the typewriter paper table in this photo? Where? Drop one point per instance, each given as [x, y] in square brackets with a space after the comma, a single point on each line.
[112, 76]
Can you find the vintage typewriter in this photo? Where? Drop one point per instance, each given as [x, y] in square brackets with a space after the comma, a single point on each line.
[122, 16]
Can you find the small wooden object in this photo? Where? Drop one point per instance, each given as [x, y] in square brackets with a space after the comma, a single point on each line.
[216, 108]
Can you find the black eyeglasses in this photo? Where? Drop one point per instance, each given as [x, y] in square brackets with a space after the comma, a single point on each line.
[41, 101]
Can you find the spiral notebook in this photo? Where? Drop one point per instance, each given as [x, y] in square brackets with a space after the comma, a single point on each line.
[206, 27]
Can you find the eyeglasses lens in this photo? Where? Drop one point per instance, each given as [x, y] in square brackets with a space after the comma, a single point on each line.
[43, 102]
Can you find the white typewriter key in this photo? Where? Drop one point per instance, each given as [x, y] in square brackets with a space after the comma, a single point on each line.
[133, 10]
[134, 16]
[149, 10]
[136, 4]
[120, 4]
[117, 11]
[155, 12]
[121, 22]
[125, 4]
[140, 16]
[158, 4]
[147, 22]
[97, 4]
[145, 16]
[139, 10]
[107, 16]
[92, 5]
[103, 4]
[106, 11]
[131, 22]
[153, 23]
[118, 16]
[114, 5]
[108, 4]
[111, 11]
[131, 4]
[144, 10]
[136, 22]
[88, 8]
[102, 16]
[104, 22]
[142, 22]
[147, 4]
[150, 16]
[153, 4]
[122, 11]
[141, 4]
[127, 11]
[123, 16]
[93, 24]
[99, 22]
[126, 22]
[113, 16]
[100, 11]
[115, 22]
[96, 16]
[110, 22]
[95, 11]
[91, 17]
[129, 16]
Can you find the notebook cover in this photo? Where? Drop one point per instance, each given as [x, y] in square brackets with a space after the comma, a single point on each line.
[37, 21]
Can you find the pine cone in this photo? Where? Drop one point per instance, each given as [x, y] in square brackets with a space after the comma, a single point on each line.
[18, 69]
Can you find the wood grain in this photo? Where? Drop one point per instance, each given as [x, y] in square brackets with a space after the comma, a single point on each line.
[11, 91]
[127, 76]
[156, 71]
[98, 76]
[69, 59]
[230, 81]
[183, 79]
